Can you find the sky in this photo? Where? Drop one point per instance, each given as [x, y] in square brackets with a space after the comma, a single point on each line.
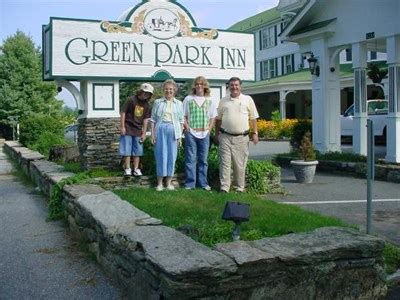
[29, 15]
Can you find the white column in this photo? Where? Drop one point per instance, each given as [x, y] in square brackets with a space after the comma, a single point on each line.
[101, 98]
[359, 52]
[325, 101]
[393, 118]
[282, 104]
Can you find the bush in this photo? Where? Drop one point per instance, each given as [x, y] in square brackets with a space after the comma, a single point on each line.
[275, 129]
[299, 130]
[32, 129]
[259, 174]
[306, 149]
[45, 141]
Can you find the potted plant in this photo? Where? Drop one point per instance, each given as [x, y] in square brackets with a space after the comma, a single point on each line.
[304, 169]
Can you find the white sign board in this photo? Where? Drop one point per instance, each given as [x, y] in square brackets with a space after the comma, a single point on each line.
[154, 41]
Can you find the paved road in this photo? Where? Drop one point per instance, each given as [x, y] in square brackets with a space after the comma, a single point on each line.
[340, 196]
[38, 259]
[345, 198]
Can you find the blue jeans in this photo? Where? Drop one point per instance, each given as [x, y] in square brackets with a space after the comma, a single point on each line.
[166, 150]
[130, 146]
[196, 153]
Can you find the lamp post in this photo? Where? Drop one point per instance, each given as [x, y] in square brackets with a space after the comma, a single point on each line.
[312, 62]
[15, 127]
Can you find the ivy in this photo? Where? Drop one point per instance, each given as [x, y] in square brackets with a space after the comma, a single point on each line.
[56, 206]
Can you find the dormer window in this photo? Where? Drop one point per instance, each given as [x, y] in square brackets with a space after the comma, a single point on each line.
[268, 38]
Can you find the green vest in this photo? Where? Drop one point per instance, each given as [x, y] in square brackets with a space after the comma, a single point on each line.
[199, 115]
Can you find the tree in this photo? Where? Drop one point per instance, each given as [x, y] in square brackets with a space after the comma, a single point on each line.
[22, 90]
[375, 73]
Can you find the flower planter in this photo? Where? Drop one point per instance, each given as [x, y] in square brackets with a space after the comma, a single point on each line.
[304, 171]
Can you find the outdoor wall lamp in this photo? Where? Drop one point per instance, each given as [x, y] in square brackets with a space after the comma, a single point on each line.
[312, 62]
[236, 212]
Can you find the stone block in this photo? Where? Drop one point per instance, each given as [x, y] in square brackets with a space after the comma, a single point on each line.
[178, 255]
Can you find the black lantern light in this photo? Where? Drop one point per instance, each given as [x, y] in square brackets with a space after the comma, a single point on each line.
[312, 62]
[236, 212]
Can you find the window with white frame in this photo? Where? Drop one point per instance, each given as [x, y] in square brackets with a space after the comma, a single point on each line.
[268, 37]
[268, 69]
[288, 64]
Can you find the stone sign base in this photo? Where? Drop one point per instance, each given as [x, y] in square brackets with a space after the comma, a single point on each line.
[98, 141]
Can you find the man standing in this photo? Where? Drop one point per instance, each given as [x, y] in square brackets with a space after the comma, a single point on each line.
[236, 120]
[134, 119]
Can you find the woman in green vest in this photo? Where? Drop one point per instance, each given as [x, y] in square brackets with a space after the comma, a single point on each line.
[199, 112]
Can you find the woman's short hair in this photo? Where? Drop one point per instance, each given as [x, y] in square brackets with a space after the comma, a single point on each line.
[206, 87]
[170, 82]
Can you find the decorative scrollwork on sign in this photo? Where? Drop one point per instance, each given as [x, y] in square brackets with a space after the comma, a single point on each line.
[125, 27]
[138, 27]
[186, 30]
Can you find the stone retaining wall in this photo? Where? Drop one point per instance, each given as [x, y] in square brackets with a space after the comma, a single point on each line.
[384, 172]
[153, 261]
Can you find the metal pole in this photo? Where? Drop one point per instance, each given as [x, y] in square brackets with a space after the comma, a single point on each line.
[370, 171]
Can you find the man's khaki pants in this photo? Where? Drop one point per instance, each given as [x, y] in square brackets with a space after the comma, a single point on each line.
[233, 150]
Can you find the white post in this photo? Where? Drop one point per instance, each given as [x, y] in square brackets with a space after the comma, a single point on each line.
[359, 52]
[325, 101]
[393, 118]
[282, 104]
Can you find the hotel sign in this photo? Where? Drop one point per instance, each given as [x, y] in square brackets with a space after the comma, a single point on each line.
[153, 40]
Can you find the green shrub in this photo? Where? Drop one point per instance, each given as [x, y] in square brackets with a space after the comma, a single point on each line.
[391, 255]
[306, 149]
[258, 175]
[299, 130]
[34, 128]
[46, 140]
[213, 167]
[342, 156]
[276, 116]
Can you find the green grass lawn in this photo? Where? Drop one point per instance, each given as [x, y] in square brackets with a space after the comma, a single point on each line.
[199, 212]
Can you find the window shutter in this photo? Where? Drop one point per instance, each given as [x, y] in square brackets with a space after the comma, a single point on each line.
[260, 39]
[276, 67]
[282, 65]
[293, 63]
[261, 71]
[276, 35]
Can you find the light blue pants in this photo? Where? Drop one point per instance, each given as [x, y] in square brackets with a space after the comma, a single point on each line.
[166, 150]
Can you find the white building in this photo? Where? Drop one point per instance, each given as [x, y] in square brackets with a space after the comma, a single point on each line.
[322, 29]
[282, 78]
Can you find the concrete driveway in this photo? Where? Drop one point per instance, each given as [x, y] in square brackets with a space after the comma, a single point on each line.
[340, 196]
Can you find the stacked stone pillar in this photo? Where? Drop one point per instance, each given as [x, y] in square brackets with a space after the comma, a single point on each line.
[98, 140]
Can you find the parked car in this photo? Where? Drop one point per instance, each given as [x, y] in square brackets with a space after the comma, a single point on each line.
[71, 133]
[377, 112]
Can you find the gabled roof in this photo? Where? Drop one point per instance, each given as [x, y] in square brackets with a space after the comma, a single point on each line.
[312, 27]
[256, 21]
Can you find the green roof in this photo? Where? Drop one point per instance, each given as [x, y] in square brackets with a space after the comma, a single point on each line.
[247, 25]
[312, 27]
[302, 75]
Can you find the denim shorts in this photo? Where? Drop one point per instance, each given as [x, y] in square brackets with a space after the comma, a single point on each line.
[130, 146]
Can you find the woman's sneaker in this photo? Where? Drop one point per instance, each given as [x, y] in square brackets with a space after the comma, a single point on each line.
[207, 188]
[128, 172]
[170, 188]
[159, 188]
[137, 172]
